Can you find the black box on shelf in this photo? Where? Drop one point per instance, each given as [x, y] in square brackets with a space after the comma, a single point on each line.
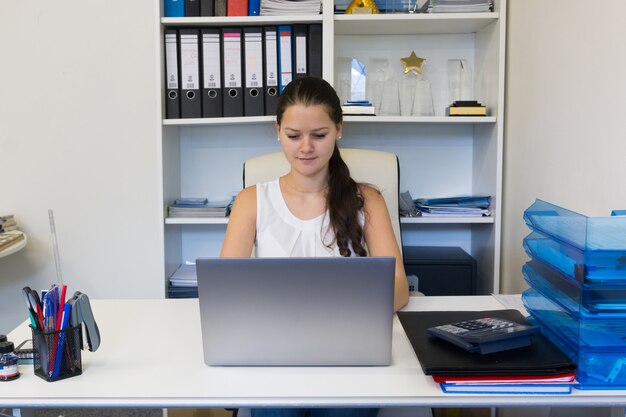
[441, 270]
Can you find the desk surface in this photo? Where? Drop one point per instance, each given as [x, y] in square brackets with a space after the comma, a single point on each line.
[151, 356]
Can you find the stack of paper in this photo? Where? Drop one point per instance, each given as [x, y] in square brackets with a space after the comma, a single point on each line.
[466, 206]
[290, 7]
[457, 6]
[184, 282]
[7, 223]
[513, 384]
[358, 107]
[200, 207]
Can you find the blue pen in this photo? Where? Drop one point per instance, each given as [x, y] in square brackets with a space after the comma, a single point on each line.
[59, 354]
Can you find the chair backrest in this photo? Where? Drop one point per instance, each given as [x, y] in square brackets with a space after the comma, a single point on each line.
[377, 168]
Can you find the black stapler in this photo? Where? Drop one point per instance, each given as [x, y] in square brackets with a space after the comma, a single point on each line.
[81, 313]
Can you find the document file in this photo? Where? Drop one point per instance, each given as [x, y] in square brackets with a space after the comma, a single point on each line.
[192, 8]
[174, 8]
[207, 8]
[284, 56]
[233, 97]
[253, 65]
[254, 7]
[271, 68]
[315, 50]
[237, 7]
[300, 34]
[211, 72]
[190, 106]
[172, 105]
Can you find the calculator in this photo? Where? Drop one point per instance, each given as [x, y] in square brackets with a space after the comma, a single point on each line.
[486, 335]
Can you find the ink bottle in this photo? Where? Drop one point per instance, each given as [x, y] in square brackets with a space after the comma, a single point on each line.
[8, 362]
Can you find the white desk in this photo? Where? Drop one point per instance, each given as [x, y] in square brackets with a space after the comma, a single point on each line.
[151, 356]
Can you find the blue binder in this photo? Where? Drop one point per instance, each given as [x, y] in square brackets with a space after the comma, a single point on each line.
[174, 8]
[285, 60]
[254, 7]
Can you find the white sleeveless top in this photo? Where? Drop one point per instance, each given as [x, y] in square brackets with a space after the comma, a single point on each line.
[281, 234]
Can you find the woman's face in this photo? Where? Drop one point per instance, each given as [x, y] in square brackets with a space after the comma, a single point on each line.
[308, 136]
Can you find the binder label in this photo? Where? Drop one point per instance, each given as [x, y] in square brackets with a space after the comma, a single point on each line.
[232, 60]
[211, 60]
[271, 60]
[285, 58]
[189, 62]
[254, 60]
[171, 61]
[300, 55]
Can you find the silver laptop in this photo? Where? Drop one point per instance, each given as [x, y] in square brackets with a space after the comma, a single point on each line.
[296, 311]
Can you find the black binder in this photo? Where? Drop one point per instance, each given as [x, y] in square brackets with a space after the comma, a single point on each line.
[207, 8]
[232, 67]
[212, 95]
[190, 102]
[439, 357]
[253, 72]
[172, 93]
[270, 62]
[300, 49]
[315, 50]
[192, 8]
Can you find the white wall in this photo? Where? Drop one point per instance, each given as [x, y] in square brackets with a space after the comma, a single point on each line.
[565, 128]
[79, 126]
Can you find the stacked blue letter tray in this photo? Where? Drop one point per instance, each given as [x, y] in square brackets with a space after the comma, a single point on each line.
[577, 275]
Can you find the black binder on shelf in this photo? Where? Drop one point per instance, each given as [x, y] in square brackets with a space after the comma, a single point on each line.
[300, 49]
[212, 95]
[285, 61]
[315, 50]
[190, 101]
[253, 71]
[232, 67]
[172, 92]
[192, 8]
[270, 61]
[439, 357]
[207, 8]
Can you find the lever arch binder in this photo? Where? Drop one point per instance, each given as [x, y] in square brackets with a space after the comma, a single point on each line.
[284, 56]
[300, 34]
[207, 8]
[315, 50]
[192, 8]
[233, 97]
[270, 43]
[253, 66]
[211, 72]
[174, 8]
[172, 93]
[190, 103]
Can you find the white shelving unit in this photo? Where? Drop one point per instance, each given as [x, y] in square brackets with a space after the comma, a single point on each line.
[438, 155]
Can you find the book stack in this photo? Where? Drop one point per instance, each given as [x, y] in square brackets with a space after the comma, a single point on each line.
[540, 368]
[290, 7]
[9, 239]
[200, 207]
[465, 206]
[7, 223]
[184, 282]
[358, 107]
[466, 108]
[457, 6]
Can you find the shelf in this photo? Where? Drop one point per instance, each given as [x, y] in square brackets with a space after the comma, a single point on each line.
[405, 24]
[403, 220]
[348, 119]
[418, 119]
[239, 20]
[15, 247]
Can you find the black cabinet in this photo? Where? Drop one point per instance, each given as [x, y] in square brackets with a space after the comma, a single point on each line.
[441, 270]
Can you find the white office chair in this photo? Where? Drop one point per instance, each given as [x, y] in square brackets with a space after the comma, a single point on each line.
[377, 168]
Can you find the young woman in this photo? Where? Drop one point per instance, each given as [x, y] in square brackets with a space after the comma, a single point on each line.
[316, 209]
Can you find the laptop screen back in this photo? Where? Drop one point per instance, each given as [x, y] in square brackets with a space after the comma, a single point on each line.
[296, 311]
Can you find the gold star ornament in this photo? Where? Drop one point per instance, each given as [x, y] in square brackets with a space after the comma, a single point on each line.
[413, 63]
[368, 6]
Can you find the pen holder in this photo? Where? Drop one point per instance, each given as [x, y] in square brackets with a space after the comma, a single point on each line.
[57, 354]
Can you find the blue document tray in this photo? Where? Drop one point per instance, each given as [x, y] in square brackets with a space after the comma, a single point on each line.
[595, 342]
[584, 248]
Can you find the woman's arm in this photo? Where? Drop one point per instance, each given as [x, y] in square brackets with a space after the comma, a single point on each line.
[241, 230]
[381, 240]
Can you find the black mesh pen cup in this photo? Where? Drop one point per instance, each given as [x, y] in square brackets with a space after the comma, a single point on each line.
[57, 353]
